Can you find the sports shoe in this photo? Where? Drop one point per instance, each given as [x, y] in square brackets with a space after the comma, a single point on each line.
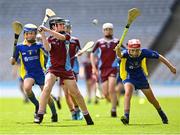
[113, 114]
[90, 122]
[79, 115]
[38, 118]
[74, 116]
[54, 118]
[88, 119]
[125, 120]
[163, 117]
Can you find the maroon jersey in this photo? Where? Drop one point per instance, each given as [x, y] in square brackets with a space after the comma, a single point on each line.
[59, 56]
[104, 50]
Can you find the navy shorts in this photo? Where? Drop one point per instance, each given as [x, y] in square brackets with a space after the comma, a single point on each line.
[138, 84]
[39, 78]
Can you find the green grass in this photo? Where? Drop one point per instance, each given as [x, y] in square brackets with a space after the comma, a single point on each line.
[17, 118]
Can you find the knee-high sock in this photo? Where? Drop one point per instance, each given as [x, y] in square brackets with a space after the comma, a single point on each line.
[33, 99]
[52, 106]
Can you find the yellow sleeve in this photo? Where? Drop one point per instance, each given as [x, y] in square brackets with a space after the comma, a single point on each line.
[144, 66]
[123, 72]
[22, 67]
[42, 59]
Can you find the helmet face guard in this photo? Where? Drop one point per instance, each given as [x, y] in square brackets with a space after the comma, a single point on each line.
[68, 24]
[55, 20]
[51, 23]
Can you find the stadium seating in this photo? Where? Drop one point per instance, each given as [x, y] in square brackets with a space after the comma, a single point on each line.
[162, 74]
[154, 15]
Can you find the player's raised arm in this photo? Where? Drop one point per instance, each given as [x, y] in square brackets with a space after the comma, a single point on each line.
[118, 51]
[167, 63]
[53, 33]
[59, 23]
[46, 44]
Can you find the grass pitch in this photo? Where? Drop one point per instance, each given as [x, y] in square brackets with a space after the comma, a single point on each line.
[17, 118]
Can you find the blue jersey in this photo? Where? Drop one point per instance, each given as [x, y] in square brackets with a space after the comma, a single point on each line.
[31, 58]
[133, 68]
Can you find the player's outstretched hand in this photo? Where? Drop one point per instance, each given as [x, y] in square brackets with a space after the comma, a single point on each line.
[173, 70]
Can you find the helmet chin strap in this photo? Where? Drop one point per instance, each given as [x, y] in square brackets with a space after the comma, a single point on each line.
[31, 40]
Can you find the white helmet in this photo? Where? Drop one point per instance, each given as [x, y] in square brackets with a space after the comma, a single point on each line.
[107, 25]
[30, 27]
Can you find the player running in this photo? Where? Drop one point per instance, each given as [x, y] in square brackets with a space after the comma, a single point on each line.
[31, 56]
[133, 73]
[58, 47]
[106, 63]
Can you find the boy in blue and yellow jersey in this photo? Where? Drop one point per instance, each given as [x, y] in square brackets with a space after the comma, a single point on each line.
[31, 56]
[133, 72]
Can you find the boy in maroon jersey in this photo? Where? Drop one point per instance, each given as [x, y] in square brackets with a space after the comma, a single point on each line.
[106, 64]
[58, 47]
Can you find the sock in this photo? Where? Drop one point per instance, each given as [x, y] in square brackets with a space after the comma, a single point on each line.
[113, 110]
[126, 113]
[159, 109]
[33, 99]
[52, 107]
[161, 113]
[41, 112]
[85, 113]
